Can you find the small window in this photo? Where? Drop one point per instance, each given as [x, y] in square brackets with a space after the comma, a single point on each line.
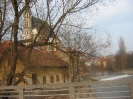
[64, 77]
[27, 15]
[51, 79]
[34, 78]
[47, 47]
[67, 78]
[57, 78]
[50, 48]
[44, 79]
[27, 32]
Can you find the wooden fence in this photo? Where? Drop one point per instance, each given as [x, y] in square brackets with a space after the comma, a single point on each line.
[120, 89]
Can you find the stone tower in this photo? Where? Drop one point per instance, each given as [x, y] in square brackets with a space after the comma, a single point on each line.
[27, 26]
[33, 26]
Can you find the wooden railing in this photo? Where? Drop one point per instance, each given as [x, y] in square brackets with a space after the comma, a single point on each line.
[120, 89]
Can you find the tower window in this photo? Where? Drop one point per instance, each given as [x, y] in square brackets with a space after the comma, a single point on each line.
[26, 23]
[27, 32]
[27, 15]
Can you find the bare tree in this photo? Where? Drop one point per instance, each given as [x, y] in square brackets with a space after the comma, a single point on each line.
[80, 44]
[129, 60]
[5, 20]
[121, 56]
[110, 63]
[55, 12]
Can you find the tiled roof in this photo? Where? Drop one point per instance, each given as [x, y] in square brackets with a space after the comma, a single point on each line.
[38, 58]
[37, 23]
[4, 46]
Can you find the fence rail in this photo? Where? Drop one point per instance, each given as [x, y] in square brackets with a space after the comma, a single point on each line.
[120, 89]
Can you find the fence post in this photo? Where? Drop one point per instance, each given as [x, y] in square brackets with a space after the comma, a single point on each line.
[131, 89]
[71, 92]
[21, 93]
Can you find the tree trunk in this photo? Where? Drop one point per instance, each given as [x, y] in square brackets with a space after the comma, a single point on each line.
[13, 60]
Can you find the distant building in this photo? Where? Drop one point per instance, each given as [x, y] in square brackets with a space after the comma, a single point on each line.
[130, 52]
[101, 61]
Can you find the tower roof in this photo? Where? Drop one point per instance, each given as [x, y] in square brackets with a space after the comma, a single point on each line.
[37, 23]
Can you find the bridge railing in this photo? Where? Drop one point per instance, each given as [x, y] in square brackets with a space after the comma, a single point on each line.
[120, 89]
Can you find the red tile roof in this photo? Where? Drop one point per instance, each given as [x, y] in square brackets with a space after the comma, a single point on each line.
[38, 58]
[4, 46]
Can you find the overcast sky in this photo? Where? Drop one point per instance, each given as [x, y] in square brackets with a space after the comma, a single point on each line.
[117, 19]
